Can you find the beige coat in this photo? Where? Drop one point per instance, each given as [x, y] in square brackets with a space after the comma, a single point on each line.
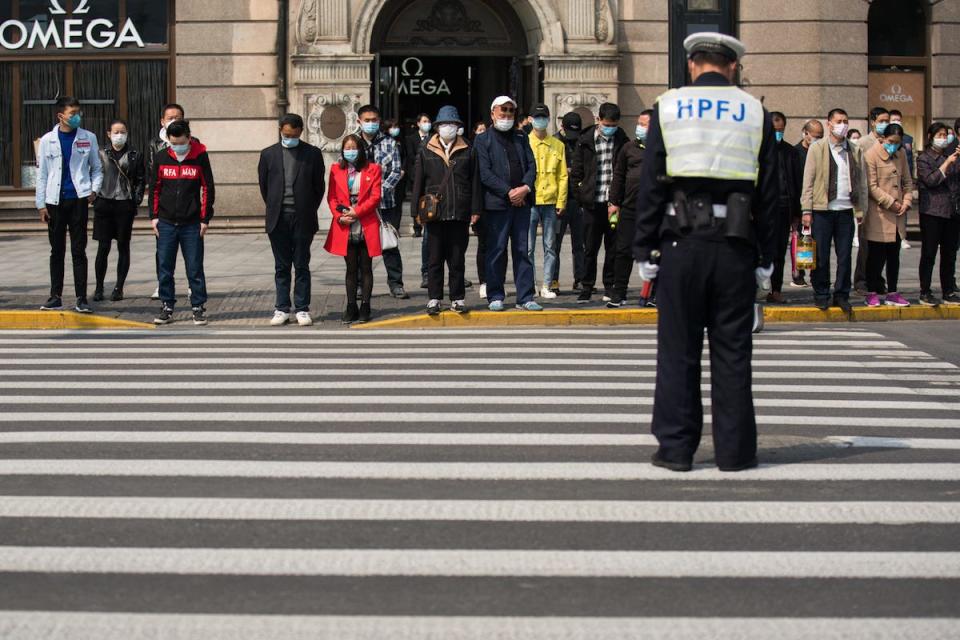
[816, 176]
[889, 181]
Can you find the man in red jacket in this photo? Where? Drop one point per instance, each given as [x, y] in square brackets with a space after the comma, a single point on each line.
[182, 206]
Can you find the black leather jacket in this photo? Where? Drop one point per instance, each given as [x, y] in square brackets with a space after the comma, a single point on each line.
[124, 176]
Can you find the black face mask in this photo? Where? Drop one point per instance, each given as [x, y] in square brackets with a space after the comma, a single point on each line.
[527, 128]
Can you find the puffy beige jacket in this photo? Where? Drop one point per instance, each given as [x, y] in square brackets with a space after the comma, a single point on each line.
[889, 181]
[816, 178]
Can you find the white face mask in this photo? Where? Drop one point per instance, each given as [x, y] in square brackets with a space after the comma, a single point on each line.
[840, 130]
[941, 143]
[503, 124]
[118, 139]
[447, 131]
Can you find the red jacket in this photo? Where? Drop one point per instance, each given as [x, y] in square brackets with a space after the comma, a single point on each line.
[367, 202]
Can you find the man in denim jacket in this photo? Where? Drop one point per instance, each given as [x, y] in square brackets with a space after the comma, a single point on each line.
[69, 176]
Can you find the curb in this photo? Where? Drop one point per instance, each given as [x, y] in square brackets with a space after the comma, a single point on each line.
[614, 317]
[50, 320]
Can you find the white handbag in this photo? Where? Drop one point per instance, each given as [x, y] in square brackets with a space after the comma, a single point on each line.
[389, 238]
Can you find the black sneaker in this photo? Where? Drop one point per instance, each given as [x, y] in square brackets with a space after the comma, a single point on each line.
[98, 294]
[650, 303]
[165, 316]
[951, 298]
[659, 461]
[53, 303]
[433, 308]
[350, 314]
[117, 295]
[424, 284]
[199, 316]
[82, 306]
[364, 312]
[400, 293]
[584, 296]
[753, 463]
[843, 303]
[577, 287]
[467, 283]
[821, 303]
[930, 300]
[615, 304]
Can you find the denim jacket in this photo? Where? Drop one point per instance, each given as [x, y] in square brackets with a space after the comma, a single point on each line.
[85, 168]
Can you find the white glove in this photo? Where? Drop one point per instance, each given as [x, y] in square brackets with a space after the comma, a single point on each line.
[763, 277]
[648, 270]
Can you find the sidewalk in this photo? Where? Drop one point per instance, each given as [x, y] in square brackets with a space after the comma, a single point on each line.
[239, 270]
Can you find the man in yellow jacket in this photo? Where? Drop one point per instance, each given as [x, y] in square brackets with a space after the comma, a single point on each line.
[551, 191]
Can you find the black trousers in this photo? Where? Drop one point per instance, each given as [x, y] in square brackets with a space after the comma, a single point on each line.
[291, 248]
[391, 257]
[359, 268]
[705, 284]
[880, 254]
[782, 237]
[943, 235]
[623, 260]
[597, 232]
[572, 218]
[115, 220]
[72, 216]
[447, 243]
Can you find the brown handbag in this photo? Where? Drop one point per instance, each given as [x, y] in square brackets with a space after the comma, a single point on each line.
[428, 208]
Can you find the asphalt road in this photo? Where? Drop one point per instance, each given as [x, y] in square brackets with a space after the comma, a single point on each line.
[469, 484]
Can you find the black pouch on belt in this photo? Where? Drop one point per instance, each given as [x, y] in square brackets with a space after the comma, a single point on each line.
[739, 217]
[700, 208]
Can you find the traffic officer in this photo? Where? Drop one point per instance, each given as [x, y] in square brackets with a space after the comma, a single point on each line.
[706, 208]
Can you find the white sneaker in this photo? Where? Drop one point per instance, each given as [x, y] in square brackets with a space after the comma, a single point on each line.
[856, 242]
[904, 244]
[483, 291]
[304, 319]
[279, 318]
[156, 293]
[546, 294]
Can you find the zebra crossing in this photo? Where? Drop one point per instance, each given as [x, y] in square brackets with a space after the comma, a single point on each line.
[466, 484]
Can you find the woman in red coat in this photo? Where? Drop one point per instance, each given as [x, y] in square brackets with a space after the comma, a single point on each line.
[353, 196]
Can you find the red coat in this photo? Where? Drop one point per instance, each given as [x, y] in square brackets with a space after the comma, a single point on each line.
[367, 202]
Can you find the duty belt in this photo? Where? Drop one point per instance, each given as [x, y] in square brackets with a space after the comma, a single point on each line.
[719, 210]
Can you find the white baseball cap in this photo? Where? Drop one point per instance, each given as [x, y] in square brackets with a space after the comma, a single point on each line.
[502, 100]
[709, 42]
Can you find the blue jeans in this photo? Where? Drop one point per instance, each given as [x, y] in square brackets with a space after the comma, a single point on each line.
[547, 215]
[511, 225]
[187, 238]
[836, 227]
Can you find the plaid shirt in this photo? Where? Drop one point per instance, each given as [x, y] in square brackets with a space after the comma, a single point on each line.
[604, 166]
[384, 151]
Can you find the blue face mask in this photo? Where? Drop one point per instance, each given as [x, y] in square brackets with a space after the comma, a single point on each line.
[350, 155]
[370, 128]
[74, 121]
[289, 143]
[951, 139]
[541, 123]
[641, 133]
[881, 127]
[180, 149]
[608, 132]
[425, 127]
[778, 135]
[891, 148]
[395, 132]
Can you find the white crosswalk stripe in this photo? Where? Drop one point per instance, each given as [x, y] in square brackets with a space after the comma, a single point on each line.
[466, 484]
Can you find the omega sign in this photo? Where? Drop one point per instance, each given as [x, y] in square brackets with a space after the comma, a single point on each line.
[413, 83]
[71, 33]
[896, 95]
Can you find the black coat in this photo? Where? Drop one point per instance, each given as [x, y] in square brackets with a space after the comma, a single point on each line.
[461, 196]
[627, 168]
[308, 188]
[583, 171]
[791, 178]
[411, 148]
[570, 146]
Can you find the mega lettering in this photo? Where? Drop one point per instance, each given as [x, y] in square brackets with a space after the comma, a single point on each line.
[71, 33]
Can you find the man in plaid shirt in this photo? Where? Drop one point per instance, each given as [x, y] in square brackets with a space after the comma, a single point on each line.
[590, 176]
[383, 150]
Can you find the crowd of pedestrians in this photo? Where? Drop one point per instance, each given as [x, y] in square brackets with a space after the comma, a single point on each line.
[507, 181]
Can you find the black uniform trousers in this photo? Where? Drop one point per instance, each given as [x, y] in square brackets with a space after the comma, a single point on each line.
[623, 260]
[705, 283]
[447, 243]
[782, 234]
[597, 232]
[72, 216]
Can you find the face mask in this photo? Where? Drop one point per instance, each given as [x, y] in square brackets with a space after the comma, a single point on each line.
[608, 132]
[118, 139]
[941, 143]
[813, 139]
[460, 131]
[540, 123]
[73, 121]
[289, 143]
[881, 127]
[350, 155]
[180, 149]
[854, 138]
[447, 131]
[370, 128]
[891, 148]
[778, 135]
[951, 139]
[503, 124]
[425, 127]
[395, 132]
[840, 130]
[641, 133]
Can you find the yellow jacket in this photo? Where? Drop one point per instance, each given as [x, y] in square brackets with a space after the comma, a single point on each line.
[550, 155]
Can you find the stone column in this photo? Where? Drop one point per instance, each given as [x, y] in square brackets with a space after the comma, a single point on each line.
[945, 62]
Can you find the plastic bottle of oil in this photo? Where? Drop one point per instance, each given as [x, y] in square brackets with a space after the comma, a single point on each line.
[806, 251]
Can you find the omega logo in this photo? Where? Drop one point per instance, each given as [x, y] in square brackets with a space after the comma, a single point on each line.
[896, 95]
[415, 84]
[71, 33]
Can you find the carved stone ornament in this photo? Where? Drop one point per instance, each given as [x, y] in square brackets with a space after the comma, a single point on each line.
[331, 117]
[307, 31]
[449, 16]
[567, 102]
[604, 18]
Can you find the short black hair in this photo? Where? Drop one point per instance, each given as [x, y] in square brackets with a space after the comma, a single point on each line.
[118, 121]
[361, 162]
[65, 102]
[368, 108]
[421, 116]
[853, 131]
[609, 111]
[834, 112]
[876, 112]
[895, 112]
[778, 115]
[647, 112]
[711, 58]
[178, 128]
[893, 129]
[291, 120]
[934, 129]
[173, 105]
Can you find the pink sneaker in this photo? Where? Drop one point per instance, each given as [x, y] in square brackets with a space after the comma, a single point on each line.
[896, 300]
[872, 300]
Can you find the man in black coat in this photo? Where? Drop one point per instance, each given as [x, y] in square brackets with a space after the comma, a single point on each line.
[788, 212]
[292, 185]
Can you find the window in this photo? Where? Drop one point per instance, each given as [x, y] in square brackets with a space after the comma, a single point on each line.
[897, 28]
[694, 16]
